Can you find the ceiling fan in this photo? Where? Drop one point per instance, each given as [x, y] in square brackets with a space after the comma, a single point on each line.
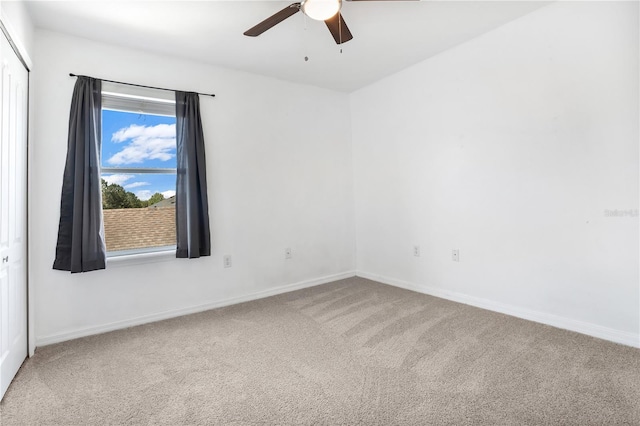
[320, 10]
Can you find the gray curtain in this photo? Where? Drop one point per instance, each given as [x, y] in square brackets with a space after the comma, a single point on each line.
[192, 207]
[81, 246]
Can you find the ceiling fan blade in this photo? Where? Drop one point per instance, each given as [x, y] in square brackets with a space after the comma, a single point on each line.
[338, 28]
[273, 20]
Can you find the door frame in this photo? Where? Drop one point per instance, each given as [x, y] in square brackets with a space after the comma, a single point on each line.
[20, 50]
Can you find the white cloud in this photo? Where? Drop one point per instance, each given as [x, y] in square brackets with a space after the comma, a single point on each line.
[145, 143]
[118, 179]
[136, 185]
[144, 195]
[134, 131]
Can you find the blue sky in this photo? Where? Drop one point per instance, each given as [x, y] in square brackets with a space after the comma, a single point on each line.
[133, 140]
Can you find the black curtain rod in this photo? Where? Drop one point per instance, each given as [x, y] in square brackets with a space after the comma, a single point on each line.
[140, 85]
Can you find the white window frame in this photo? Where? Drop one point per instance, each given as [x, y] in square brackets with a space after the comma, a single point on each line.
[137, 100]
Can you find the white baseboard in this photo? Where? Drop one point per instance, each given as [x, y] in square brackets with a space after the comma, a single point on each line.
[104, 328]
[582, 327]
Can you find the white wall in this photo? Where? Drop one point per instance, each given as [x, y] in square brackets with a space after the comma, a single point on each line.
[17, 21]
[510, 148]
[276, 179]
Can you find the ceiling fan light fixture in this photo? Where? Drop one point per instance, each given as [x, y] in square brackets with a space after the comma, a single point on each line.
[321, 10]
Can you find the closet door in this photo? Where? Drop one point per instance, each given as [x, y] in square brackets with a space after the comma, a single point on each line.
[13, 214]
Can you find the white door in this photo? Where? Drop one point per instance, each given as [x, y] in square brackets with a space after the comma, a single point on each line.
[13, 214]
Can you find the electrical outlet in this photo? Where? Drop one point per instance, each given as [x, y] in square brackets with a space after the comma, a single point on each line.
[416, 251]
[455, 255]
[287, 253]
[227, 261]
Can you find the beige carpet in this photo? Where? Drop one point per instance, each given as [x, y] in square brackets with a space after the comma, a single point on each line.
[353, 352]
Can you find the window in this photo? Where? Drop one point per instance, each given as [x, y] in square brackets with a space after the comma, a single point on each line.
[138, 169]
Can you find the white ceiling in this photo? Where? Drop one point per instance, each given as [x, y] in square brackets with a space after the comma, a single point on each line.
[388, 35]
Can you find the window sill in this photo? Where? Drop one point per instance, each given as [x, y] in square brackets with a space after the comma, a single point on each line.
[141, 258]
